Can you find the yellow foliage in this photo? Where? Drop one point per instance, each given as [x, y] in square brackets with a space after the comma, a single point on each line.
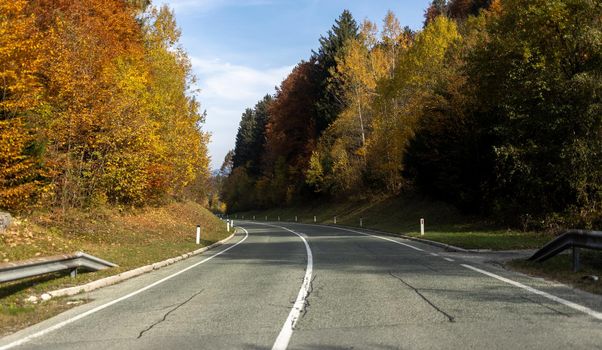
[19, 43]
[401, 99]
[97, 99]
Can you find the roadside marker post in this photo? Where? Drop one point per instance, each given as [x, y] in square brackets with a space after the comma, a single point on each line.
[335, 220]
[253, 217]
[361, 222]
[315, 219]
[422, 227]
[228, 225]
[278, 218]
[266, 218]
[198, 234]
[295, 218]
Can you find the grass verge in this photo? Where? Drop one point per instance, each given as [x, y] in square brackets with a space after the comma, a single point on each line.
[131, 239]
[402, 215]
[560, 268]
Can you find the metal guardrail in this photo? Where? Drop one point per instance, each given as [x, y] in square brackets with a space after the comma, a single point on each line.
[574, 239]
[39, 266]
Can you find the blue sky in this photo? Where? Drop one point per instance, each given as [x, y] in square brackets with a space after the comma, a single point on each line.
[242, 49]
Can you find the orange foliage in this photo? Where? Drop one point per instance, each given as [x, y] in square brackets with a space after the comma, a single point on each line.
[80, 85]
[292, 126]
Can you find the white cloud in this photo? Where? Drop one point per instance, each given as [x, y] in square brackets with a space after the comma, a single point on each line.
[226, 91]
[234, 82]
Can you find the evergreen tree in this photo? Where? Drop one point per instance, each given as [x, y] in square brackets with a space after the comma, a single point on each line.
[250, 140]
[330, 103]
[244, 139]
[261, 113]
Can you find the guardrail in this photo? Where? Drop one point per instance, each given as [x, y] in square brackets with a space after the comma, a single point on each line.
[40, 266]
[574, 239]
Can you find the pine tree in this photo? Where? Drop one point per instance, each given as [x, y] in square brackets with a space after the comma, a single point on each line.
[244, 139]
[261, 114]
[250, 139]
[331, 48]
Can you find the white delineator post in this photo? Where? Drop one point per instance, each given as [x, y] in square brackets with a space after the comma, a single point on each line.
[266, 218]
[278, 218]
[335, 220]
[295, 218]
[315, 220]
[228, 225]
[198, 234]
[253, 217]
[422, 227]
[361, 222]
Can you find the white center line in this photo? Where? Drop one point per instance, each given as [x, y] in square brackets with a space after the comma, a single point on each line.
[449, 259]
[104, 306]
[584, 309]
[434, 254]
[286, 332]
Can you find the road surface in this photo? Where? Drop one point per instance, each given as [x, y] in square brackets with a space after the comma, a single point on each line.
[295, 286]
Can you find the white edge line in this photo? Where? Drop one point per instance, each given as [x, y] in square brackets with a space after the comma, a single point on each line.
[584, 309]
[126, 275]
[434, 254]
[286, 332]
[449, 259]
[104, 306]
[375, 236]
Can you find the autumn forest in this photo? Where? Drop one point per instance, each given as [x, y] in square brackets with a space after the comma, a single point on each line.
[96, 106]
[493, 106]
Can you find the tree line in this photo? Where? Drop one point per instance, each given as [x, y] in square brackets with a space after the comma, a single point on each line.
[494, 106]
[96, 106]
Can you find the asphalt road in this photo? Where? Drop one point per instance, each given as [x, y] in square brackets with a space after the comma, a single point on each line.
[315, 287]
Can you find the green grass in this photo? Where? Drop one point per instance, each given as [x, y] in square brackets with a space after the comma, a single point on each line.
[494, 240]
[559, 268]
[402, 215]
[130, 239]
[14, 310]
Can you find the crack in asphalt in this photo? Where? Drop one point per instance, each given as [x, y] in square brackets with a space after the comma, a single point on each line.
[546, 306]
[167, 314]
[309, 292]
[164, 307]
[449, 317]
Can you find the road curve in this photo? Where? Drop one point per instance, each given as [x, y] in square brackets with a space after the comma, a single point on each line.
[361, 292]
